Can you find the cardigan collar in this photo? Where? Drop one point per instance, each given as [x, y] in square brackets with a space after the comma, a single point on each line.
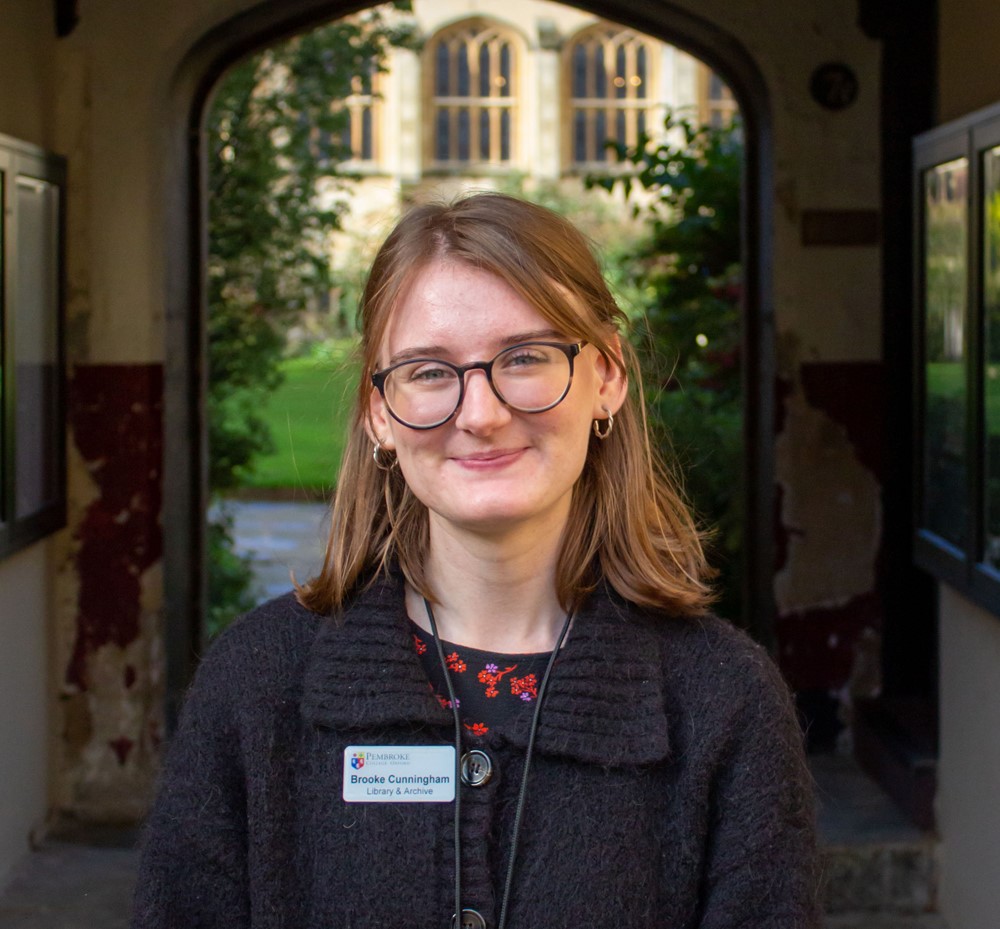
[605, 700]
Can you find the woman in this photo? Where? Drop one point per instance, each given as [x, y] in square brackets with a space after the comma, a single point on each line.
[503, 695]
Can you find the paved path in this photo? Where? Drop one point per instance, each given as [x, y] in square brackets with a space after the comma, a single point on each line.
[281, 538]
[64, 885]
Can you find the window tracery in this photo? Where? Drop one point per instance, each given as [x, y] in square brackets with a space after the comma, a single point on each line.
[610, 89]
[473, 100]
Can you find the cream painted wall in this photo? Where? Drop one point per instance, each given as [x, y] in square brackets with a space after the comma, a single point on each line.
[433, 14]
[115, 74]
[969, 32]
[969, 765]
[823, 160]
[24, 689]
[27, 43]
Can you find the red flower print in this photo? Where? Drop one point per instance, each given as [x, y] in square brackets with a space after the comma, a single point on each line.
[419, 644]
[490, 676]
[455, 663]
[445, 702]
[477, 728]
[524, 687]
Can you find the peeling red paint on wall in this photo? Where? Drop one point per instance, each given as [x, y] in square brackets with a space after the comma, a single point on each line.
[121, 747]
[852, 394]
[155, 733]
[816, 648]
[116, 416]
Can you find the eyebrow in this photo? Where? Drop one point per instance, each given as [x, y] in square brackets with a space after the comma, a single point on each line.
[439, 351]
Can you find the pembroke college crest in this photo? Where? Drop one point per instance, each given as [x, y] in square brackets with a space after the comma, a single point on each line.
[358, 760]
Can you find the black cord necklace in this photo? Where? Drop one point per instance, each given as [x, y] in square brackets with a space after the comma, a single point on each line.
[523, 792]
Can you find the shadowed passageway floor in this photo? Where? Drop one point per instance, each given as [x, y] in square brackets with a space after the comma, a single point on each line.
[85, 881]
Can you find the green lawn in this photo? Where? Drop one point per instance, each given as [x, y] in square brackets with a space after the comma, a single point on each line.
[309, 413]
[308, 417]
[946, 391]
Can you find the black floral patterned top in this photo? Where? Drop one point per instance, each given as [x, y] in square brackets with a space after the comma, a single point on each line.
[490, 687]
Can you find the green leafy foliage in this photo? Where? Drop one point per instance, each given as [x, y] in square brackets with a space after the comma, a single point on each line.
[229, 581]
[688, 274]
[275, 139]
[275, 143]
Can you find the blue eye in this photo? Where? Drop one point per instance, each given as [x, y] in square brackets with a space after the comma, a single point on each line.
[525, 356]
[427, 372]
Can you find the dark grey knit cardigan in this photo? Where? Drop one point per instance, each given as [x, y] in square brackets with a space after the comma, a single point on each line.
[667, 790]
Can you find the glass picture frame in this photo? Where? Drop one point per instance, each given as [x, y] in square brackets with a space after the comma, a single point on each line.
[956, 424]
[32, 375]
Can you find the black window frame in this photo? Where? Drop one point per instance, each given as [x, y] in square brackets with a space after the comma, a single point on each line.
[960, 565]
[33, 165]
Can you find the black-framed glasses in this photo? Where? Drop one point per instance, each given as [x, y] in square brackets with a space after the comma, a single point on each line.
[530, 377]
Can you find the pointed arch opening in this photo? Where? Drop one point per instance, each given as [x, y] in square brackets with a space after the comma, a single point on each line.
[185, 434]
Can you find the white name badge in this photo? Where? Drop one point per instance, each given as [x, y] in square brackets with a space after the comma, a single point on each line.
[399, 773]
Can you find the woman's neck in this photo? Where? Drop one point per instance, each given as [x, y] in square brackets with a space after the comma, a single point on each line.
[494, 594]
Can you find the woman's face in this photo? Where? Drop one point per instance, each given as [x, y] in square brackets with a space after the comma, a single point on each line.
[489, 469]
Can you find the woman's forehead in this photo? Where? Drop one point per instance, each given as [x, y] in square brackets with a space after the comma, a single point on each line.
[449, 300]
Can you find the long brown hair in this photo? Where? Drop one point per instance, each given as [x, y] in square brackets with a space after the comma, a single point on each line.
[627, 522]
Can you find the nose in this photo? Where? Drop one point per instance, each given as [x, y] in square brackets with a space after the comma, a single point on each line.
[482, 410]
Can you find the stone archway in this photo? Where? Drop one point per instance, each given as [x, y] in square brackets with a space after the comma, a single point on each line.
[184, 451]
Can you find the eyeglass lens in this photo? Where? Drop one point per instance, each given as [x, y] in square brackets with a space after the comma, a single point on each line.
[529, 378]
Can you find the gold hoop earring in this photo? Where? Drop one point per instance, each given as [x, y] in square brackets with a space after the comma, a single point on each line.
[609, 424]
[381, 463]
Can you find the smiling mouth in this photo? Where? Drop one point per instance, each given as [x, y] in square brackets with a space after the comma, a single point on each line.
[487, 458]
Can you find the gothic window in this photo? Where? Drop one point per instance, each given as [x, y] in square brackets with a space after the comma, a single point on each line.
[610, 91]
[473, 99]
